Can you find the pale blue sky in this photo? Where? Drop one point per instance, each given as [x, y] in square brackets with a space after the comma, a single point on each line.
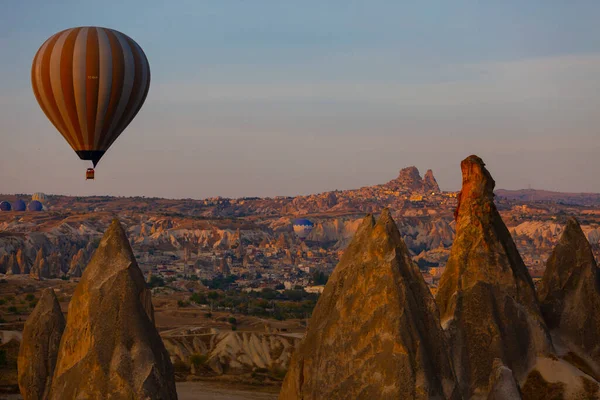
[282, 98]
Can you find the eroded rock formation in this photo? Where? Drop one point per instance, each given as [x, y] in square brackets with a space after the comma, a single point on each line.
[39, 347]
[429, 182]
[375, 331]
[110, 347]
[410, 179]
[570, 296]
[486, 297]
[40, 268]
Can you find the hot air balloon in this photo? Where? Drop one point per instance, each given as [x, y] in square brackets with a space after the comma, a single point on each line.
[41, 197]
[19, 205]
[5, 206]
[90, 82]
[302, 228]
[35, 206]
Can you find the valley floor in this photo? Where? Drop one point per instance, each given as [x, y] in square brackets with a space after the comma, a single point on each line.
[209, 391]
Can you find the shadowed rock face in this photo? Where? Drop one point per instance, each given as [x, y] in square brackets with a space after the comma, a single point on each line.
[410, 178]
[429, 182]
[486, 297]
[39, 347]
[502, 383]
[4, 263]
[17, 264]
[12, 267]
[54, 262]
[375, 331]
[110, 347]
[570, 293]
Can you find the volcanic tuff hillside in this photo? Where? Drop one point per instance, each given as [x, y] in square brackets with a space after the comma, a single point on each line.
[366, 199]
[165, 232]
[39, 347]
[409, 178]
[486, 297]
[570, 297]
[489, 308]
[375, 331]
[160, 229]
[231, 352]
[110, 347]
[97, 323]
[69, 243]
[530, 195]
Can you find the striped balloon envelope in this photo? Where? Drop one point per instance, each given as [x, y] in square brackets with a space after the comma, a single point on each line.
[90, 82]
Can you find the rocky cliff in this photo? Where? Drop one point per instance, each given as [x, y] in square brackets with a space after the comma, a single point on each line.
[409, 180]
[430, 183]
[110, 347]
[486, 297]
[570, 297]
[39, 347]
[375, 331]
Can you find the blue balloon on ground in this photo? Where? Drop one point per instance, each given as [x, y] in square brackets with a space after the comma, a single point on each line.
[35, 206]
[5, 206]
[19, 205]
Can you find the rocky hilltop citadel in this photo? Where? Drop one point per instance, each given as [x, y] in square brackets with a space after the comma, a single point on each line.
[410, 178]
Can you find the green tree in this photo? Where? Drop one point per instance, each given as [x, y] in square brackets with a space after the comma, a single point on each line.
[213, 295]
[294, 295]
[199, 298]
[268, 294]
[319, 278]
[156, 281]
[198, 360]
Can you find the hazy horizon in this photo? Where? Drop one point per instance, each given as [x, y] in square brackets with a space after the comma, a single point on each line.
[265, 196]
[266, 99]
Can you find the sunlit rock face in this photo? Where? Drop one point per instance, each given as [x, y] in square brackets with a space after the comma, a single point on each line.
[40, 268]
[110, 348]
[375, 332]
[486, 297]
